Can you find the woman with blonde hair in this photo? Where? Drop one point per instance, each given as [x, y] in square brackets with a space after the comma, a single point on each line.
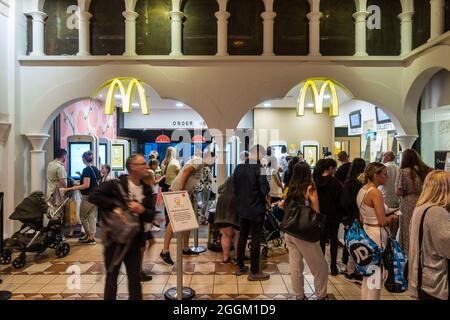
[429, 247]
[169, 169]
[372, 212]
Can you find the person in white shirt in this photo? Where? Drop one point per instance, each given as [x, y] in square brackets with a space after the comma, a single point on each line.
[56, 172]
[391, 199]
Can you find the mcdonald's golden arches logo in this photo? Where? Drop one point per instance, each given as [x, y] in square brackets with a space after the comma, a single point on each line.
[318, 97]
[126, 94]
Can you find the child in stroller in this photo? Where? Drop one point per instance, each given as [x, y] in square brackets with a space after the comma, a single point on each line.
[41, 229]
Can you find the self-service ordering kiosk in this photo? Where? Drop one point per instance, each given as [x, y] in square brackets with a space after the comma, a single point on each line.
[77, 145]
[120, 151]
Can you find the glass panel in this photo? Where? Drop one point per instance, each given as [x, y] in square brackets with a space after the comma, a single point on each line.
[245, 28]
[153, 31]
[200, 27]
[337, 30]
[107, 27]
[383, 34]
[421, 22]
[291, 27]
[61, 27]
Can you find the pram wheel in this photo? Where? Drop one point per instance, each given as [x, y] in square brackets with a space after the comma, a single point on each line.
[20, 261]
[277, 242]
[62, 250]
[5, 258]
[267, 252]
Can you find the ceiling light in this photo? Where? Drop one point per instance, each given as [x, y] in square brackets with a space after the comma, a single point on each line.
[310, 105]
[327, 96]
[135, 104]
[267, 104]
[179, 104]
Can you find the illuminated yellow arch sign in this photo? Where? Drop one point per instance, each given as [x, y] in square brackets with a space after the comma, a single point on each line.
[126, 95]
[318, 97]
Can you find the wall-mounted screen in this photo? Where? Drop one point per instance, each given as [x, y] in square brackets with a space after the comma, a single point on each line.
[382, 117]
[355, 119]
[117, 157]
[76, 165]
[102, 158]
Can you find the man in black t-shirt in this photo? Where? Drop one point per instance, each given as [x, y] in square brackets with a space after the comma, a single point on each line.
[343, 170]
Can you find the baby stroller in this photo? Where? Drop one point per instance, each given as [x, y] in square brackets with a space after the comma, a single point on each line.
[41, 229]
[271, 232]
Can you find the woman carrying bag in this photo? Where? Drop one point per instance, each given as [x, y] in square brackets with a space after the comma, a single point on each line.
[429, 249]
[302, 200]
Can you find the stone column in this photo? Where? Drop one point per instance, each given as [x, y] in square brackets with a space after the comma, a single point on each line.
[130, 32]
[314, 33]
[360, 33]
[37, 142]
[83, 33]
[406, 23]
[222, 32]
[38, 32]
[406, 140]
[268, 17]
[177, 23]
[437, 18]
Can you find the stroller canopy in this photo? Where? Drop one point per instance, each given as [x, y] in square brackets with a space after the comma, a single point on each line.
[31, 209]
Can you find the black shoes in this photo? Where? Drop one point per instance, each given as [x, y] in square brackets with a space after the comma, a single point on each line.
[88, 241]
[260, 276]
[241, 270]
[165, 257]
[334, 270]
[353, 277]
[145, 277]
[189, 252]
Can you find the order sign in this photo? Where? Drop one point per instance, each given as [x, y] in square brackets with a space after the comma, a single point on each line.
[181, 213]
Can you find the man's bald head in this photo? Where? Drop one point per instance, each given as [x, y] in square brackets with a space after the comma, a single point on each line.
[388, 156]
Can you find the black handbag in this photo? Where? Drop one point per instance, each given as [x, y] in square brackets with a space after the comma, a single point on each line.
[302, 222]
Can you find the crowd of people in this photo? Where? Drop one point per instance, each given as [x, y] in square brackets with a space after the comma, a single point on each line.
[389, 201]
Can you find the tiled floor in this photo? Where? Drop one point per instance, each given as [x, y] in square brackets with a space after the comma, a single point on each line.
[47, 277]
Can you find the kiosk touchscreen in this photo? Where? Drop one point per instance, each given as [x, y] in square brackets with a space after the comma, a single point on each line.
[104, 147]
[77, 145]
[119, 154]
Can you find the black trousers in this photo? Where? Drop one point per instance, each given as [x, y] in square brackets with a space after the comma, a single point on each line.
[330, 232]
[132, 261]
[345, 254]
[255, 229]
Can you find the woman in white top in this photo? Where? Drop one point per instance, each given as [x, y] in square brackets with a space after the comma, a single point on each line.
[276, 186]
[373, 215]
[169, 168]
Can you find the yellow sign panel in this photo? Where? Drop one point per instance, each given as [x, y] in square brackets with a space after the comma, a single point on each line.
[126, 95]
[318, 97]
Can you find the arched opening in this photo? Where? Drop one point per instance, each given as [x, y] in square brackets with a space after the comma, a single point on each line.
[61, 29]
[383, 33]
[200, 27]
[107, 27]
[245, 27]
[337, 30]
[434, 120]
[421, 22]
[291, 27]
[362, 129]
[153, 27]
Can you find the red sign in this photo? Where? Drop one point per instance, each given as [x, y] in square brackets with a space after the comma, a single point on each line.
[162, 139]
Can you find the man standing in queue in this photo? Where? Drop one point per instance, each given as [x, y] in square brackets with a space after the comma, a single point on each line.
[251, 189]
[110, 198]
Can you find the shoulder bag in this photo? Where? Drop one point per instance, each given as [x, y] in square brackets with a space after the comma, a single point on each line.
[302, 222]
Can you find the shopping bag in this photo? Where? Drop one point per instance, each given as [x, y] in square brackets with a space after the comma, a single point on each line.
[70, 216]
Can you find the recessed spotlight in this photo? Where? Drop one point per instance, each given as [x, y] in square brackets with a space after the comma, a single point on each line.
[135, 104]
[267, 104]
[327, 96]
[310, 105]
[179, 104]
[117, 96]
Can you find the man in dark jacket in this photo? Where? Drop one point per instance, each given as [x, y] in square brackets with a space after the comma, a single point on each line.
[140, 200]
[343, 170]
[251, 188]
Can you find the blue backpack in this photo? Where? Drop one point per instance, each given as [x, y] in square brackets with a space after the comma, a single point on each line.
[366, 254]
[396, 264]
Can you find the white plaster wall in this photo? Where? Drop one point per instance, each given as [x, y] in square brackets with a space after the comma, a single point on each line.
[367, 112]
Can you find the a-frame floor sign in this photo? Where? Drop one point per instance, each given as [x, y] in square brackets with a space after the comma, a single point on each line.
[182, 218]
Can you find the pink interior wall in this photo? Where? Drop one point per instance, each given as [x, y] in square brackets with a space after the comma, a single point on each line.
[87, 117]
